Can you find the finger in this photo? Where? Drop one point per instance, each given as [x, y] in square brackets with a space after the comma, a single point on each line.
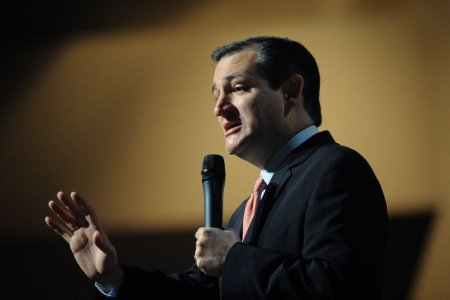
[101, 242]
[202, 231]
[71, 206]
[199, 250]
[208, 231]
[200, 265]
[200, 243]
[80, 207]
[63, 231]
[90, 216]
[74, 210]
[86, 208]
[198, 233]
[63, 214]
[83, 205]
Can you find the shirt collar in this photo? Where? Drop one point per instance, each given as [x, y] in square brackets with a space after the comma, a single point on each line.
[275, 161]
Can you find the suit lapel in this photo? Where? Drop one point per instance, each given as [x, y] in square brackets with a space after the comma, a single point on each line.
[279, 180]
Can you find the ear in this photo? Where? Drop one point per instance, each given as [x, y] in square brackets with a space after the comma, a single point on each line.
[292, 90]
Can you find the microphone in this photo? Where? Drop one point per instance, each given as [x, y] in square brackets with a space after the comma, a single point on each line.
[213, 179]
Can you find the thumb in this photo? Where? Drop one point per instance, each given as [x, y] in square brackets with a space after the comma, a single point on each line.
[101, 242]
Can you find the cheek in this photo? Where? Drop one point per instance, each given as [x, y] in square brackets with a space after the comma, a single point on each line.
[250, 113]
[259, 115]
[271, 112]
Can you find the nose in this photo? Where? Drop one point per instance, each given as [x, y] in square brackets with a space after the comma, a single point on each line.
[222, 104]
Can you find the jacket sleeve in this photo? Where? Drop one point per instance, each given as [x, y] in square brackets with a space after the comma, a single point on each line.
[141, 284]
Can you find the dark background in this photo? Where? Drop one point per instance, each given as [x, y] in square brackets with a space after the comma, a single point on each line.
[44, 268]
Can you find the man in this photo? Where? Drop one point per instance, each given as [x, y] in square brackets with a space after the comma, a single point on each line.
[320, 228]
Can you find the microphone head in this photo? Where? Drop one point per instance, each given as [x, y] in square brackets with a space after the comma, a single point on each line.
[213, 167]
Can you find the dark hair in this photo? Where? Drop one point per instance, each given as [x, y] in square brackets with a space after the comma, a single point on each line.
[279, 58]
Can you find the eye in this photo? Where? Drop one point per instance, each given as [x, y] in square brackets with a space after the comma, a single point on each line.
[238, 88]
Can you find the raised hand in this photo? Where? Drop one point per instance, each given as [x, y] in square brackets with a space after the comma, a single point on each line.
[78, 224]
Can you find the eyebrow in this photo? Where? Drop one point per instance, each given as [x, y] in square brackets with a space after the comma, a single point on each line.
[230, 78]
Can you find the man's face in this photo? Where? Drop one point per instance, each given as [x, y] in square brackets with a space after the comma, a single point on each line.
[251, 114]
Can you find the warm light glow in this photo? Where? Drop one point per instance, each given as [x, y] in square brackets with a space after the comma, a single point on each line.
[126, 118]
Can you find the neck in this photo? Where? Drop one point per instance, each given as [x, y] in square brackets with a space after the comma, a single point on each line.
[258, 159]
[276, 161]
[260, 153]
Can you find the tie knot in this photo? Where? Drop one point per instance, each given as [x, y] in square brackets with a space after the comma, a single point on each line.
[259, 185]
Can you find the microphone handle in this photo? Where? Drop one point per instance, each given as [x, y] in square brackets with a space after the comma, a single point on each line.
[213, 202]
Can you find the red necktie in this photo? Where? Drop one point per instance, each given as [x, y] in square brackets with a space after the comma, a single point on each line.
[252, 204]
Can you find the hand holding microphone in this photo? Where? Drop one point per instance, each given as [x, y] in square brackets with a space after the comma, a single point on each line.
[213, 243]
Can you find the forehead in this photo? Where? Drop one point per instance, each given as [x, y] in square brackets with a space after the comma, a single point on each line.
[241, 63]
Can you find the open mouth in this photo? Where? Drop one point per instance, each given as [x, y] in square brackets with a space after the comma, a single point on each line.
[231, 127]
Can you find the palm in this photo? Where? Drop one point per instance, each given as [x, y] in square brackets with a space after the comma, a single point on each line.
[90, 258]
[88, 241]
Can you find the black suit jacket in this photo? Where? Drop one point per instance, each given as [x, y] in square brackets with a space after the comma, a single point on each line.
[319, 233]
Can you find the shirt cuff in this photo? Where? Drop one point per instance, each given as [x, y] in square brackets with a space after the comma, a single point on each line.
[110, 294]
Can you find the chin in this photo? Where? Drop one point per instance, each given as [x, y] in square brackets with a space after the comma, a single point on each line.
[235, 148]
[230, 145]
[230, 150]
